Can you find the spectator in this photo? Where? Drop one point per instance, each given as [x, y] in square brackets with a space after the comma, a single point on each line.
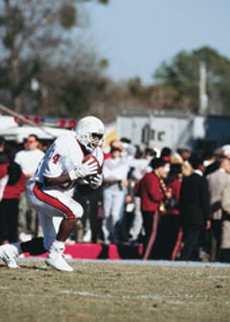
[151, 195]
[216, 183]
[225, 240]
[182, 156]
[15, 184]
[28, 159]
[139, 166]
[91, 224]
[113, 144]
[166, 153]
[90, 201]
[128, 149]
[115, 173]
[226, 149]
[169, 230]
[212, 162]
[2, 146]
[195, 208]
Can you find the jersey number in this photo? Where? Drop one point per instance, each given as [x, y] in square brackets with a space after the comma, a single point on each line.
[55, 158]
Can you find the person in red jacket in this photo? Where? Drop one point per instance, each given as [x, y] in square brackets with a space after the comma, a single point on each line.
[13, 183]
[151, 196]
[169, 231]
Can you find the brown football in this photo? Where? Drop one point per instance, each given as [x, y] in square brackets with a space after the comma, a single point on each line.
[94, 159]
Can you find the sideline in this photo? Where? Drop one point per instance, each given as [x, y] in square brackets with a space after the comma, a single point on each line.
[136, 262]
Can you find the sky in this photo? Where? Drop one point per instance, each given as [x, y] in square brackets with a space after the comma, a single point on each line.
[136, 36]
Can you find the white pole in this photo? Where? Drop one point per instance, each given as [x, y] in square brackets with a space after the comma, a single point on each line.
[202, 89]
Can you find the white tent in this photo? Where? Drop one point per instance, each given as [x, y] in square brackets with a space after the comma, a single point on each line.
[19, 133]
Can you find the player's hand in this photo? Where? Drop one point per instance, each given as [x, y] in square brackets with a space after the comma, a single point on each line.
[96, 181]
[85, 169]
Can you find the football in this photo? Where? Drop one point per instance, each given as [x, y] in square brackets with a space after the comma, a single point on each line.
[94, 159]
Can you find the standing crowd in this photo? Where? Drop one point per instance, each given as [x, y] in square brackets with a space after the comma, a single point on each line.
[175, 204]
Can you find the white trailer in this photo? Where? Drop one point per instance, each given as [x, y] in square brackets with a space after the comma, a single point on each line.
[158, 129]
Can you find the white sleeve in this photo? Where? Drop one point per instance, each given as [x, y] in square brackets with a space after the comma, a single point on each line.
[64, 155]
[53, 163]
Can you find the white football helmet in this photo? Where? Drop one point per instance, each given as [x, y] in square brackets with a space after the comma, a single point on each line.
[90, 132]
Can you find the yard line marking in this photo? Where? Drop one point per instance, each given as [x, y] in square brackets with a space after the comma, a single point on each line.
[217, 276]
[130, 297]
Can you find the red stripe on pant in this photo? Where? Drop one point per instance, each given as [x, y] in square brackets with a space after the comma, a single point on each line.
[177, 245]
[52, 201]
[152, 237]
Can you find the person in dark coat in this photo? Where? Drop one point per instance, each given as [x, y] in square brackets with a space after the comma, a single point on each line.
[194, 207]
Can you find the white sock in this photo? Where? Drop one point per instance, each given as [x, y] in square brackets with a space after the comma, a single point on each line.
[57, 247]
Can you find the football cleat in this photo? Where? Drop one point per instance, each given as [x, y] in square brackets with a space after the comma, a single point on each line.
[8, 254]
[58, 262]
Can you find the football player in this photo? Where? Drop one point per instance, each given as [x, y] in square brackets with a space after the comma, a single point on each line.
[51, 190]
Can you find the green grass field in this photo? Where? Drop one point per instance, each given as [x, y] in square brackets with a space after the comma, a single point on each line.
[105, 291]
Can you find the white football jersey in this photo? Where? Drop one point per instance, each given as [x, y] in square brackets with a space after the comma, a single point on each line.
[63, 155]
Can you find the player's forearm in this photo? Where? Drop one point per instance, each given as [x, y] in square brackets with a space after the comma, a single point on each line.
[64, 178]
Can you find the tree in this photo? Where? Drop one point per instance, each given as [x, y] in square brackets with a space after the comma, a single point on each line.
[182, 75]
[36, 37]
[74, 87]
